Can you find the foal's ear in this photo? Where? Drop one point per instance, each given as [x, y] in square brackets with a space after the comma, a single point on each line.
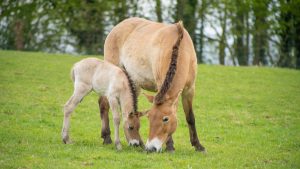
[144, 113]
[149, 97]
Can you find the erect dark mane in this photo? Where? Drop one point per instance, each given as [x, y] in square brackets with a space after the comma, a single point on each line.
[159, 98]
[132, 90]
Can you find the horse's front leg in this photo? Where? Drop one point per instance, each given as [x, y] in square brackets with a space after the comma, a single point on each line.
[116, 116]
[187, 102]
[170, 145]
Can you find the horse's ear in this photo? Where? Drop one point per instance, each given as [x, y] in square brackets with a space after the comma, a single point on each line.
[178, 94]
[149, 97]
[174, 99]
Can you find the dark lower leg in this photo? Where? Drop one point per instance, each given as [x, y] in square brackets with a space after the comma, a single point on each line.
[193, 132]
[170, 144]
[187, 100]
[105, 131]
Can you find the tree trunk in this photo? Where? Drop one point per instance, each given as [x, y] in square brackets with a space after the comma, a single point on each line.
[297, 42]
[201, 38]
[19, 34]
[247, 46]
[158, 11]
[239, 26]
[223, 40]
[179, 10]
[286, 36]
[186, 11]
[260, 42]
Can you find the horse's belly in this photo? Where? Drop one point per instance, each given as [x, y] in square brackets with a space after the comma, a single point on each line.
[147, 85]
[140, 71]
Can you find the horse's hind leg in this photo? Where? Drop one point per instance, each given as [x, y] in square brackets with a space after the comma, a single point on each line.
[104, 108]
[187, 101]
[80, 90]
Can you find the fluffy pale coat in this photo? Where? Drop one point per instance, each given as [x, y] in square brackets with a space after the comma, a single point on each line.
[108, 80]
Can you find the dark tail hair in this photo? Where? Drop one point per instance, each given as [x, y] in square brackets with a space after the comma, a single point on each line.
[159, 98]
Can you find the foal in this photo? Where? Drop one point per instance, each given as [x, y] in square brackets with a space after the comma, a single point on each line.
[107, 80]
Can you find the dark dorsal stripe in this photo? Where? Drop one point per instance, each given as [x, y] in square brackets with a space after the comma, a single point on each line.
[159, 98]
[132, 90]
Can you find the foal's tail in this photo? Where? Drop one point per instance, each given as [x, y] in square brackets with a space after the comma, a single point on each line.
[72, 74]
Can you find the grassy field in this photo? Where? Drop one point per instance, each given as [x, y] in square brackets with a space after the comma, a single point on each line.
[246, 117]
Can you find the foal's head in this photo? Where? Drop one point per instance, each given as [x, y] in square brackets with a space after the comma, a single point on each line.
[131, 128]
[132, 122]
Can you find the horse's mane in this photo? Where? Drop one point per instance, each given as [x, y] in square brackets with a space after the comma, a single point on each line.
[159, 98]
[132, 90]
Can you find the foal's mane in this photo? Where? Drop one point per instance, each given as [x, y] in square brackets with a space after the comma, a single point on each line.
[132, 90]
[159, 98]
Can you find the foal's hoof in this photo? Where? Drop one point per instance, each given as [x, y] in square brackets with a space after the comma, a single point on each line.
[66, 140]
[107, 140]
[119, 147]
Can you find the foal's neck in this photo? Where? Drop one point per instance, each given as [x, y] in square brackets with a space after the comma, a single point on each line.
[126, 102]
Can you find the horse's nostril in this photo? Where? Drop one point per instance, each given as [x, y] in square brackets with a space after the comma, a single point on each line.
[135, 144]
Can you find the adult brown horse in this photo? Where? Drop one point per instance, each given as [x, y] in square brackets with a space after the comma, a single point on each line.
[158, 57]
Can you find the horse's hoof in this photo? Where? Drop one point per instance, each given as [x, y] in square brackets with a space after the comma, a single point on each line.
[170, 150]
[201, 149]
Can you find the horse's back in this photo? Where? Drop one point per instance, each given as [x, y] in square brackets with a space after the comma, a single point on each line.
[144, 48]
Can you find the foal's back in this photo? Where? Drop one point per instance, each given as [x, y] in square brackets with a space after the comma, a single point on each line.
[100, 75]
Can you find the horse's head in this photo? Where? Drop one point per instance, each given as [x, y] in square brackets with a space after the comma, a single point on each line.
[163, 122]
[131, 128]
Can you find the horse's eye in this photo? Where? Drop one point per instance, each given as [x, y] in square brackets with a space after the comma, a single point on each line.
[165, 119]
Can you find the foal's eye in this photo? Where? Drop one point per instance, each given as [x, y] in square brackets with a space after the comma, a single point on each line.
[130, 127]
[165, 119]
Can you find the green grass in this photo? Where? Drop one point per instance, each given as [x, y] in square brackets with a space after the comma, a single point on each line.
[246, 117]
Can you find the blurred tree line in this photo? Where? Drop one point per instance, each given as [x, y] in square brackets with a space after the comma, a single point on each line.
[235, 32]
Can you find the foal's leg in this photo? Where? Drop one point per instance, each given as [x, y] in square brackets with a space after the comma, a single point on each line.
[80, 90]
[113, 102]
[187, 102]
[104, 109]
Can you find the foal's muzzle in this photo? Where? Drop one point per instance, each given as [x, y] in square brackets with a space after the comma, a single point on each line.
[134, 142]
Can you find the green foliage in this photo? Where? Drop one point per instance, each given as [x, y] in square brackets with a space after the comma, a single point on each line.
[246, 117]
[264, 32]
